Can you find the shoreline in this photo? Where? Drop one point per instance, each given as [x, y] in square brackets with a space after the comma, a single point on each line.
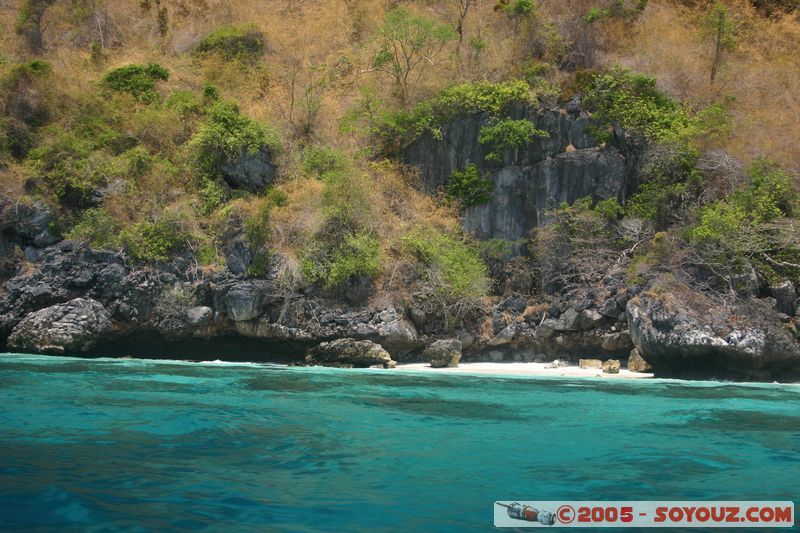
[521, 369]
[510, 369]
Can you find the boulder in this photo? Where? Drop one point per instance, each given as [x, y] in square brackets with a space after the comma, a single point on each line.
[251, 170]
[590, 363]
[589, 319]
[570, 320]
[397, 334]
[442, 353]
[199, 316]
[70, 327]
[244, 300]
[504, 337]
[636, 363]
[611, 366]
[711, 341]
[349, 353]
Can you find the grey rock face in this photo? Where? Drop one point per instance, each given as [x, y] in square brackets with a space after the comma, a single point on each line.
[563, 167]
[443, 353]
[245, 300]
[251, 171]
[677, 342]
[75, 326]
[505, 336]
[397, 333]
[349, 353]
[199, 316]
[785, 297]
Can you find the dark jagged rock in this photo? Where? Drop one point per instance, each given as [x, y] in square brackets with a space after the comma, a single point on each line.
[785, 297]
[349, 353]
[680, 342]
[74, 326]
[251, 171]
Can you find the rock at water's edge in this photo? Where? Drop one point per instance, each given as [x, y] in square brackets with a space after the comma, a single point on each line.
[590, 363]
[611, 366]
[349, 352]
[75, 326]
[636, 363]
[443, 353]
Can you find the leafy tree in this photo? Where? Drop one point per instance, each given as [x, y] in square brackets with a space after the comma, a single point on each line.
[505, 135]
[408, 42]
[752, 226]
[719, 25]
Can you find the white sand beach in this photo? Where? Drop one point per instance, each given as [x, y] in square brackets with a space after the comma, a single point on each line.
[522, 369]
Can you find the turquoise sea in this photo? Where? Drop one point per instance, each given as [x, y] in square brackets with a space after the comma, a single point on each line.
[143, 445]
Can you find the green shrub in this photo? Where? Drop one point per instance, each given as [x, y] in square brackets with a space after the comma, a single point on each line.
[258, 232]
[751, 226]
[396, 129]
[153, 241]
[76, 157]
[507, 134]
[234, 43]
[321, 161]
[186, 103]
[456, 270]
[212, 194]
[95, 227]
[632, 101]
[609, 209]
[359, 256]
[772, 193]
[468, 187]
[225, 135]
[137, 80]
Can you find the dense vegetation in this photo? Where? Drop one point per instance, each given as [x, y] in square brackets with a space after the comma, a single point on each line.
[123, 117]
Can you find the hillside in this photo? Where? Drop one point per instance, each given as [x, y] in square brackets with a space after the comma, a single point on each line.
[439, 158]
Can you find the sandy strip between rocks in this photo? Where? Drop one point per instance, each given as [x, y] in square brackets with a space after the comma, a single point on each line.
[522, 369]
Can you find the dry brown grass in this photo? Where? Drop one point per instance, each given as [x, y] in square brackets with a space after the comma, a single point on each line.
[304, 36]
[762, 76]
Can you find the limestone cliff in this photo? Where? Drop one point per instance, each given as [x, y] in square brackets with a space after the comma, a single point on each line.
[565, 166]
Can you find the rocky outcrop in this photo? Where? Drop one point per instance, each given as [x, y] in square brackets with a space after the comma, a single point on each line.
[594, 364]
[443, 353]
[71, 327]
[636, 362]
[349, 353]
[715, 341]
[566, 165]
[251, 170]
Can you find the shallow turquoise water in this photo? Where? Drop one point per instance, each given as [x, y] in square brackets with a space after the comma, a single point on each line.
[133, 445]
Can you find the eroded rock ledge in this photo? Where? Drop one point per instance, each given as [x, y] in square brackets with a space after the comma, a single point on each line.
[76, 300]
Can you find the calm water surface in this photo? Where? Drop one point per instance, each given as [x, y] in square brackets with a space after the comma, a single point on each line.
[139, 445]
